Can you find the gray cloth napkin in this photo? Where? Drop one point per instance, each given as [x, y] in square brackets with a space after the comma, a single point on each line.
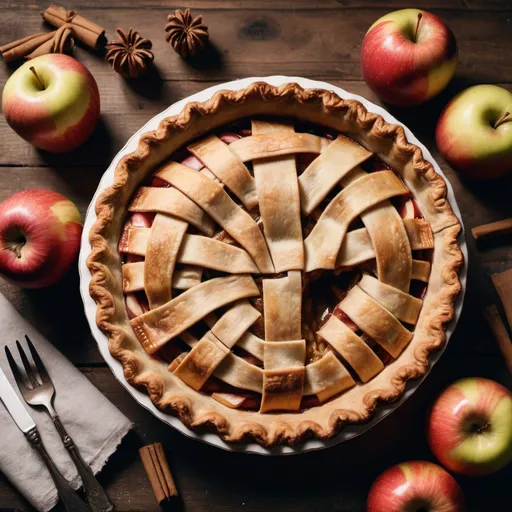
[96, 426]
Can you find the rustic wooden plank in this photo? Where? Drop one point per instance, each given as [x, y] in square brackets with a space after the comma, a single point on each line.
[124, 111]
[312, 43]
[203, 6]
[208, 477]
[487, 5]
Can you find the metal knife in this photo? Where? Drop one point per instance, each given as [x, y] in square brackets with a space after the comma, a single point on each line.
[21, 417]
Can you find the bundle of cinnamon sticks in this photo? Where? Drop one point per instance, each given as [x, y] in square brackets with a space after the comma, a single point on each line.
[503, 284]
[70, 26]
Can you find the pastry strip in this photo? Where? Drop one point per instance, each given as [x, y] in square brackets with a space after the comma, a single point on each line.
[166, 234]
[357, 246]
[282, 307]
[156, 327]
[351, 348]
[171, 202]
[340, 157]
[388, 237]
[402, 305]
[252, 344]
[235, 322]
[376, 321]
[279, 355]
[278, 192]
[183, 278]
[283, 378]
[282, 389]
[201, 361]
[327, 377]
[277, 144]
[419, 233]
[211, 197]
[391, 245]
[226, 165]
[239, 373]
[324, 242]
[420, 270]
[194, 250]
[210, 253]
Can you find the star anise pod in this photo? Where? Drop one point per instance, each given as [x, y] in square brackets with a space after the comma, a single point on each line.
[130, 56]
[187, 36]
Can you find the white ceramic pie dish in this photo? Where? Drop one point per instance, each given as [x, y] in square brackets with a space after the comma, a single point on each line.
[116, 367]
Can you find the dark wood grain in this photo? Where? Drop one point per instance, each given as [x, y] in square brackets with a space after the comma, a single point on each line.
[203, 6]
[316, 43]
[321, 40]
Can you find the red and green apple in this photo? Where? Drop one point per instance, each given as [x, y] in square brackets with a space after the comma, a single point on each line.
[39, 237]
[415, 486]
[474, 132]
[408, 56]
[470, 427]
[53, 102]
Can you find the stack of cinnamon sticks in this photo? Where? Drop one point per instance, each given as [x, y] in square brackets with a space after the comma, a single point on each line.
[503, 284]
[70, 26]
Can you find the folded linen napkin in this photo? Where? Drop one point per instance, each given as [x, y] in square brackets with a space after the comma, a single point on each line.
[95, 424]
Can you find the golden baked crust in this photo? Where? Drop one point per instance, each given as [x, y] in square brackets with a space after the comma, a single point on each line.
[356, 405]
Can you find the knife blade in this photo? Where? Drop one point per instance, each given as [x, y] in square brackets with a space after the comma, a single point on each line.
[14, 405]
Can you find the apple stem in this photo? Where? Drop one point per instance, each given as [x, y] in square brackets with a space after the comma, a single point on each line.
[16, 248]
[480, 428]
[38, 78]
[417, 27]
[502, 119]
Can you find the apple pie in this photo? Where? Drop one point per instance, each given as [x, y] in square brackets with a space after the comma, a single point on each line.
[273, 262]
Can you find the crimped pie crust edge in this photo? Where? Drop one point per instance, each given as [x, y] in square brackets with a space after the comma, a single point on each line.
[357, 405]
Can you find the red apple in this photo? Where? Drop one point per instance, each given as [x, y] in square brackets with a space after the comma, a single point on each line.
[53, 102]
[39, 237]
[415, 486]
[470, 427]
[408, 56]
[474, 132]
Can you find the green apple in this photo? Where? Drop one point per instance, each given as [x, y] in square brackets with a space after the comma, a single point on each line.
[470, 427]
[474, 132]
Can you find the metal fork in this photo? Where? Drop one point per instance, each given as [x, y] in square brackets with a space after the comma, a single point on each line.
[39, 391]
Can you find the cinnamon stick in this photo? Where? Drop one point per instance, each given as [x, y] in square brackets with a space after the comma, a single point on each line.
[503, 284]
[494, 229]
[499, 330]
[61, 42]
[158, 471]
[22, 47]
[85, 31]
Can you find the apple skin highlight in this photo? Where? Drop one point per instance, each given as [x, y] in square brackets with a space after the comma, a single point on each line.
[60, 117]
[402, 71]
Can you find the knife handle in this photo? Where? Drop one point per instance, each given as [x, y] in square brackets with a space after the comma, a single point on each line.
[71, 500]
[96, 497]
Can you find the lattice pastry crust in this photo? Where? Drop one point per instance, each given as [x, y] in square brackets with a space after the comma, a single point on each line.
[283, 228]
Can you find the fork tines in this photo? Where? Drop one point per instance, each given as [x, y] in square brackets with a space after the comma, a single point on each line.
[36, 373]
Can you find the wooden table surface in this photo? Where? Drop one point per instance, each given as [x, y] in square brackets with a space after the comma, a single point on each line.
[314, 39]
